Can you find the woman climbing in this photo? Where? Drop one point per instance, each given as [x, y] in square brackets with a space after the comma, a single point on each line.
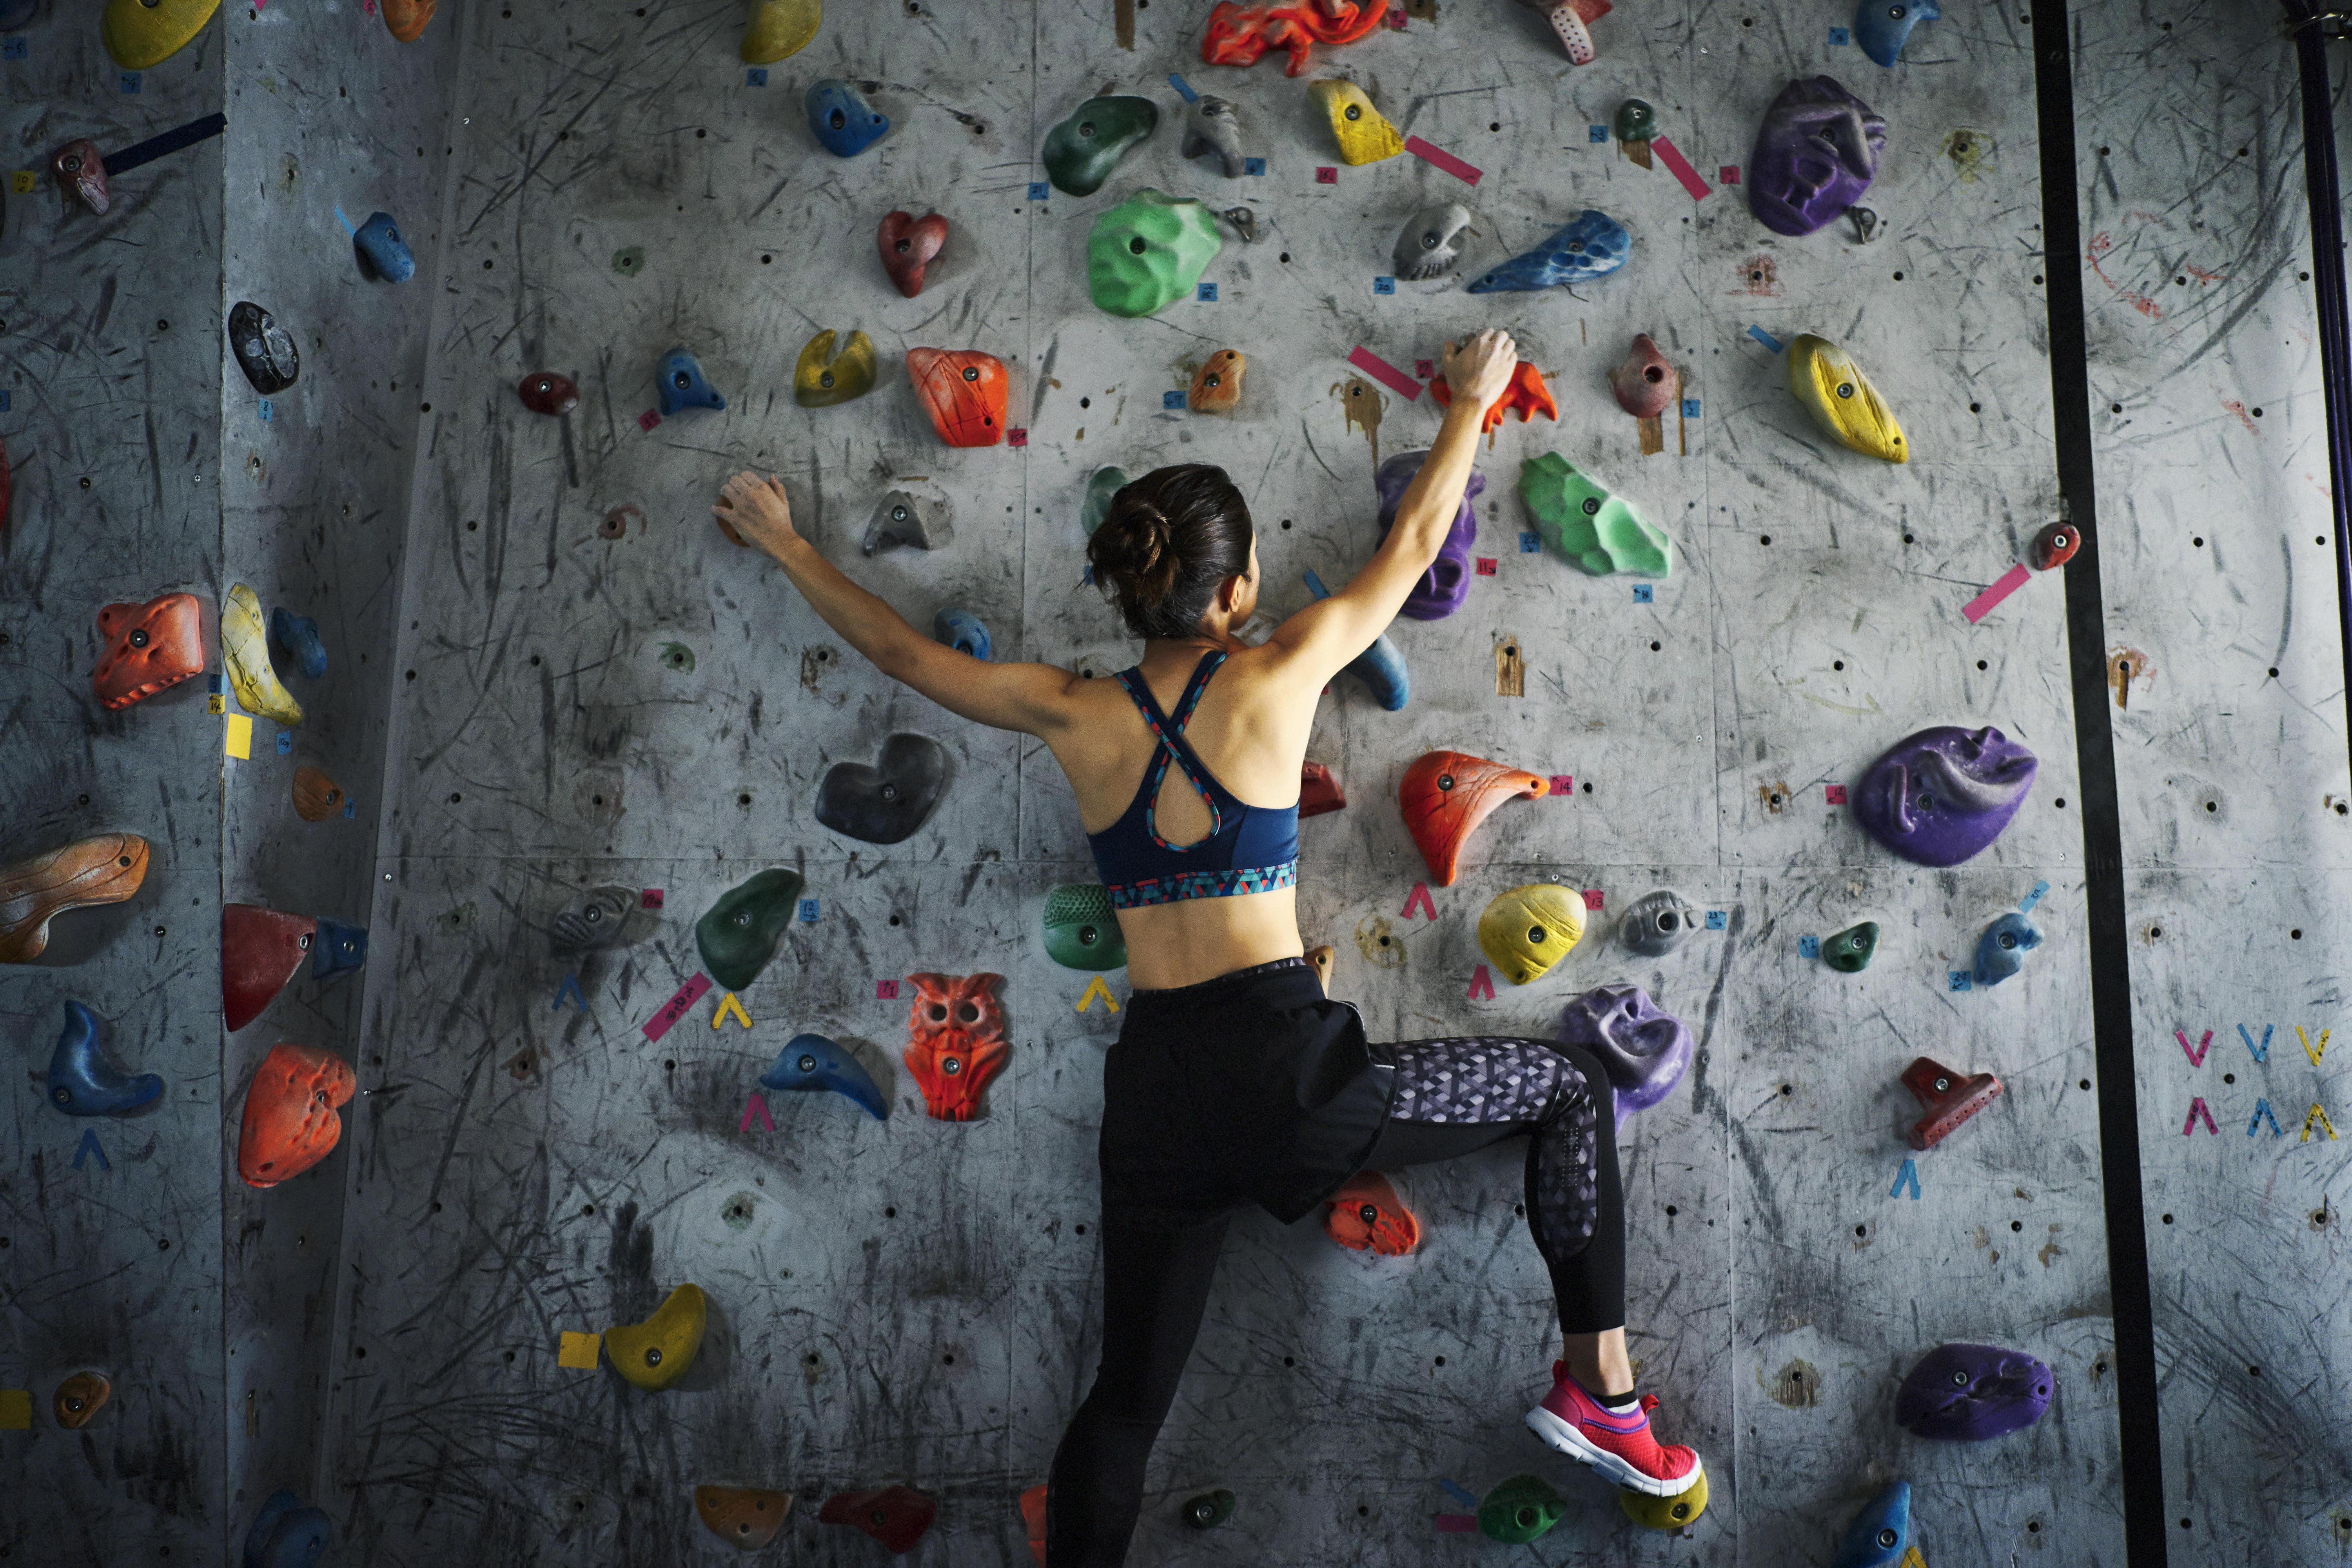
[1234, 1080]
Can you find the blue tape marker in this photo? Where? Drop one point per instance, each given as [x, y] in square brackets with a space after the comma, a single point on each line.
[1041, 191]
[129, 81]
[1171, 399]
[1642, 593]
[756, 77]
[1315, 585]
[808, 911]
[1598, 133]
[349, 227]
[2261, 1053]
[2033, 898]
[1254, 165]
[1383, 285]
[268, 410]
[1809, 947]
[1840, 38]
[1530, 543]
[1690, 407]
[1908, 1175]
[1208, 293]
[1183, 87]
[571, 989]
[1767, 339]
[89, 1147]
[285, 743]
[351, 809]
[1717, 919]
[1961, 981]
[2263, 1111]
[217, 684]
[13, 49]
[5, 401]
[1459, 1492]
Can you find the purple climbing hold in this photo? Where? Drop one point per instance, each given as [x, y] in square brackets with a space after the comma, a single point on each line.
[1816, 152]
[1943, 794]
[1966, 1394]
[1446, 583]
[1645, 1048]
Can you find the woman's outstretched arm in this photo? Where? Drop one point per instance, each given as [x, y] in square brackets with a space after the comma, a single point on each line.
[1029, 698]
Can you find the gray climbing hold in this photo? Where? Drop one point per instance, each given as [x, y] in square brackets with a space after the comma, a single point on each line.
[903, 519]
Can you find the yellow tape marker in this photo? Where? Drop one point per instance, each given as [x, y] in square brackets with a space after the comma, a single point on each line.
[16, 1409]
[238, 740]
[728, 1003]
[579, 1351]
[2321, 1117]
[216, 704]
[1095, 988]
[1911, 1558]
[21, 181]
[2314, 1052]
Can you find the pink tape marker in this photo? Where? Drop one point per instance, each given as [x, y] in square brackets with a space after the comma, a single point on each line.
[1563, 784]
[1384, 373]
[1439, 157]
[1015, 435]
[1679, 167]
[1834, 793]
[1980, 606]
[677, 1007]
[649, 419]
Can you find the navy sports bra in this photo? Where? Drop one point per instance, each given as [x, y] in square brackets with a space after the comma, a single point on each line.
[1249, 848]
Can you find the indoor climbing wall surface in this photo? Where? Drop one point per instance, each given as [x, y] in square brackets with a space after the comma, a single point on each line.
[2226, 682]
[596, 688]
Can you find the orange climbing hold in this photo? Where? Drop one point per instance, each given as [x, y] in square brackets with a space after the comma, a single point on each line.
[1527, 394]
[149, 648]
[956, 1041]
[406, 19]
[290, 1113]
[1366, 1215]
[746, 1518]
[1447, 795]
[1033, 1520]
[1241, 34]
[963, 390]
[105, 869]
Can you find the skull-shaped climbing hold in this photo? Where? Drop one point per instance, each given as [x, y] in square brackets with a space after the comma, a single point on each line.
[684, 386]
[886, 803]
[823, 378]
[963, 390]
[904, 519]
[1150, 250]
[1816, 154]
[1586, 521]
[840, 119]
[956, 1041]
[594, 919]
[1528, 929]
[1590, 245]
[657, 1352]
[264, 350]
[1081, 931]
[1842, 400]
[1363, 133]
[382, 252]
[1645, 1048]
[1431, 241]
[149, 647]
[292, 1113]
[1657, 922]
[1081, 151]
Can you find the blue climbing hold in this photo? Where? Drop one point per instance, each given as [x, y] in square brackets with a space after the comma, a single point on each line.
[1592, 246]
[2001, 951]
[961, 630]
[683, 385]
[338, 949]
[82, 1082]
[1883, 26]
[840, 119]
[286, 1534]
[299, 636]
[812, 1062]
[1880, 1532]
[382, 251]
[1382, 668]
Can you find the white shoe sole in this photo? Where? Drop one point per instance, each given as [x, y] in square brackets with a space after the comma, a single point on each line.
[1562, 1436]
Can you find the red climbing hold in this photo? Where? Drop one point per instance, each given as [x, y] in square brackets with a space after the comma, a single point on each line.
[1319, 791]
[290, 1113]
[1366, 1215]
[963, 390]
[956, 1041]
[1447, 795]
[260, 950]
[894, 1516]
[1949, 1097]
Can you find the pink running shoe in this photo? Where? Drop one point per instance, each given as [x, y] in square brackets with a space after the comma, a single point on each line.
[1616, 1443]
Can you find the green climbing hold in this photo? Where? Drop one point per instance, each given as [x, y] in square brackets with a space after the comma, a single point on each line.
[1637, 120]
[1849, 951]
[1082, 150]
[1520, 1509]
[1105, 483]
[739, 934]
[1150, 250]
[1209, 1510]
[1599, 531]
[1081, 932]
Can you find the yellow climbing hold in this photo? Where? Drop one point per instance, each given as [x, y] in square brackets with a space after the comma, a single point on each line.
[140, 35]
[1528, 929]
[656, 1354]
[1667, 1513]
[244, 648]
[778, 29]
[1363, 134]
[1835, 392]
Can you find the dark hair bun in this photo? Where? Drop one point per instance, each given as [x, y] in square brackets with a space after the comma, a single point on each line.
[1168, 540]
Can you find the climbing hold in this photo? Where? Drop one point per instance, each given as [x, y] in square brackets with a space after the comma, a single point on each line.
[297, 636]
[1667, 1513]
[747, 1518]
[337, 950]
[888, 801]
[894, 1516]
[1319, 791]
[286, 1534]
[105, 869]
[1949, 1099]
[1657, 923]
[382, 252]
[1646, 384]
[1645, 1048]
[1033, 1520]
[79, 1398]
[1816, 154]
[544, 392]
[1520, 1509]
[263, 349]
[1240, 36]
[1217, 388]
[684, 386]
[903, 519]
[1969, 1393]
[1082, 150]
[1431, 241]
[1321, 958]
[260, 950]
[1586, 521]
[406, 19]
[907, 244]
[1880, 1533]
[779, 29]
[738, 933]
[1443, 588]
[1366, 1215]
[1081, 932]
[1572, 21]
[593, 920]
[1883, 26]
[1214, 125]
[1362, 132]
[291, 1113]
[2055, 545]
[840, 119]
[809, 1063]
[244, 653]
[1849, 951]
[83, 1082]
[956, 1040]
[1381, 670]
[1591, 246]
[963, 390]
[1150, 250]
[1210, 1509]
[629, 260]
[149, 648]
[1244, 222]
[80, 170]
[141, 35]
[1842, 401]
[1941, 795]
[657, 1352]
[1636, 121]
[1528, 929]
[1527, 396]
[1447, 795]
[823, 378]
[962, 631]
[1101, 487]
[2002, 950]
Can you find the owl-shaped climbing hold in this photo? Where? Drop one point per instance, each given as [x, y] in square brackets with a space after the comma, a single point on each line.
[963, 390]
[1366, 1215]
[955, 1040]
